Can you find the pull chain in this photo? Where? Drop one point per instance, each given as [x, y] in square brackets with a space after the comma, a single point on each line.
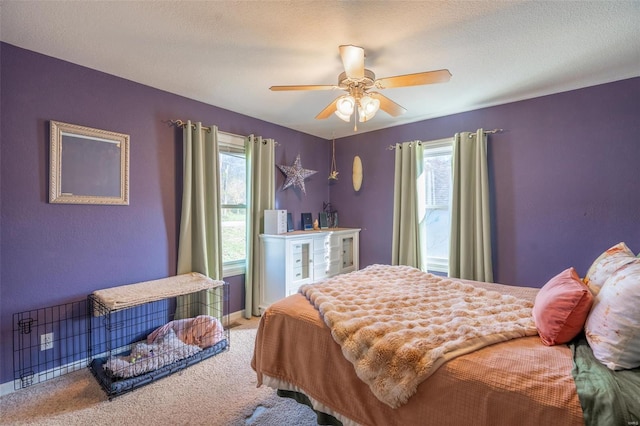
[355, 117]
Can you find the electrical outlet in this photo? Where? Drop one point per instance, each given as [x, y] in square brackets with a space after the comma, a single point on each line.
[46, 341]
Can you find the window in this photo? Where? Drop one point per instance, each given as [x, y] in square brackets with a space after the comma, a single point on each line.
[233, 199]
[437, 214]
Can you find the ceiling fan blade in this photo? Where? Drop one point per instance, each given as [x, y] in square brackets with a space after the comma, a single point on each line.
[353, 61]
[330, 109]
[304, 87]
[387, 105]
[417, 79]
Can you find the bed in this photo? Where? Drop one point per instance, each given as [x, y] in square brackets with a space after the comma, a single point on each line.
[514, 379]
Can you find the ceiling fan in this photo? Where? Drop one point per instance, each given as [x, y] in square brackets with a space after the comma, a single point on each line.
[357, 81]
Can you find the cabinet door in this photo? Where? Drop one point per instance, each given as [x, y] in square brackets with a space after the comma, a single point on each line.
[301, 264]
[349, 246]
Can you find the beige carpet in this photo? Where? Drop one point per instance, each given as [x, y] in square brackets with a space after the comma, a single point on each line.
[218, 391]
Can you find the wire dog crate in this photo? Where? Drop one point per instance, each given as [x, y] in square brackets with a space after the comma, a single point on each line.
[126, 341]
[132, 347]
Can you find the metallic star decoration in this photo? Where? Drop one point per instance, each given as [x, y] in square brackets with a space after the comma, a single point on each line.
[295, 175]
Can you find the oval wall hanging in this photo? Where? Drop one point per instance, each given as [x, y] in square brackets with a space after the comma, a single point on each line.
[357, 173]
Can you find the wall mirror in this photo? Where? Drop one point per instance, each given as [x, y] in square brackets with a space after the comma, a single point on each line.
[88, 166]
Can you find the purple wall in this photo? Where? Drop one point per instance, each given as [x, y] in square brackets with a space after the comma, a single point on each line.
[565, 175]
[56, 253]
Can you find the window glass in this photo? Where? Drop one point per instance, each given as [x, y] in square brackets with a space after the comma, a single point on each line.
[437, 184]
[233, 203]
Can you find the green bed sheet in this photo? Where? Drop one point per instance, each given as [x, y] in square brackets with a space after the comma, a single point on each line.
[607, 397]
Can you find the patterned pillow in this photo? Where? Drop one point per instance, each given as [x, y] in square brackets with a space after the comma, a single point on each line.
[561, 308]
[613, 326]
[606, 264]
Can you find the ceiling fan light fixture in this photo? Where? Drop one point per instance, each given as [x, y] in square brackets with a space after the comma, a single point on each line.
[368, 108]
[356, 80]
[345, 106]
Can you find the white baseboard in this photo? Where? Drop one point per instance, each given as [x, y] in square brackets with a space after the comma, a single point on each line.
[236, 316]
[10, 387]
[6, 388]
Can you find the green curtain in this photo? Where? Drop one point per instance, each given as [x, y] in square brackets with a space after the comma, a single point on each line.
[408, 206]
[470, 243]
[200, 243]
[261, 196]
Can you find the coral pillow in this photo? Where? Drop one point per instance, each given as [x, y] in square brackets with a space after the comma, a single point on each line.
[613, 326]
[561, 308]
[606, 264]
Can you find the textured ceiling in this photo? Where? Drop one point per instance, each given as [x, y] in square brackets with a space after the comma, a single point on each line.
[228, 53]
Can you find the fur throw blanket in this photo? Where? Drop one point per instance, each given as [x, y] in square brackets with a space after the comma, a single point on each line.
[397, 324]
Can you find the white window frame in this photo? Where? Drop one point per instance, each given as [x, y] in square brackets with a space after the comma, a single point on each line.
[228, 142]
[431, 149]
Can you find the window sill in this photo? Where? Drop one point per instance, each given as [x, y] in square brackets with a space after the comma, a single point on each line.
[439, 266]
[233, 269]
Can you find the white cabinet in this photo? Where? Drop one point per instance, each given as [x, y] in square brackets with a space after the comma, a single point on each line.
[302, 257]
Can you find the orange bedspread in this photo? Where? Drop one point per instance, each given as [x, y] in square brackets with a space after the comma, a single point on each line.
[519, 382]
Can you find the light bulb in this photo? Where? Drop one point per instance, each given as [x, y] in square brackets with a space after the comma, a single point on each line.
[368, 108]
[344, 107]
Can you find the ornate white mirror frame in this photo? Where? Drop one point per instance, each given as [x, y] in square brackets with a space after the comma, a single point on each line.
[88, 166]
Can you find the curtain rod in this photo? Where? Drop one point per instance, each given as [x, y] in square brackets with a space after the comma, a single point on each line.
[486, 132]
[181, 123]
